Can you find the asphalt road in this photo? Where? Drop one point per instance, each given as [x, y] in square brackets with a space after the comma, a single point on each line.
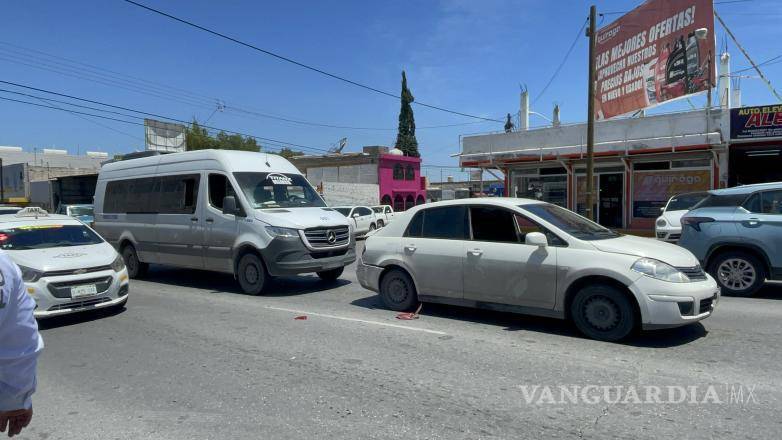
[192, 357]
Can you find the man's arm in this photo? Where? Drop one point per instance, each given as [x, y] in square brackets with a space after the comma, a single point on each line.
[20, 342]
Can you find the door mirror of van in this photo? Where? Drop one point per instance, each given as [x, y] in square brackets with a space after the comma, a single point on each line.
[536, 239]
[229, 205]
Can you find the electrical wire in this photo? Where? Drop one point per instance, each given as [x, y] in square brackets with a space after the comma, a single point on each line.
[300, 64]
[562, 64]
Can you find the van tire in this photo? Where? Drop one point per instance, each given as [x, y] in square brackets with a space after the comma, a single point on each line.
[331, 275]
[603, 312]
[251, 274]
[397, 291]
[751, 267]
[136, 268]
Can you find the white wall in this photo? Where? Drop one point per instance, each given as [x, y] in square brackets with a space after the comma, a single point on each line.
[338, 193]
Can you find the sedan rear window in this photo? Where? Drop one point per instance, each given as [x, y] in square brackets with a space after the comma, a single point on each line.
[46, 236]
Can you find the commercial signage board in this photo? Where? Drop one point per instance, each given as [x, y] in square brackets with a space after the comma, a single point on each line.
[756, 122]
[652, 55]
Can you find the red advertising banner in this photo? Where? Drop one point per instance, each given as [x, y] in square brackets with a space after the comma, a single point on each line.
[652, 55]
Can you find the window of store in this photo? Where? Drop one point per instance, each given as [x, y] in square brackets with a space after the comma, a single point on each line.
[656, 182]
[539, 185]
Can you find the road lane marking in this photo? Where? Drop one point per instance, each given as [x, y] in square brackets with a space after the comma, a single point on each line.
[363, 321]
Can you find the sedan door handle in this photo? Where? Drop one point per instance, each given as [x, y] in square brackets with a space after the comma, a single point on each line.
[753, 222]
[475, 252]
[410, 248]
[193, 219]
[210, 220]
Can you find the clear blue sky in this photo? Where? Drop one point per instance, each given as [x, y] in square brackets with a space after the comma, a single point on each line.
[465, 55]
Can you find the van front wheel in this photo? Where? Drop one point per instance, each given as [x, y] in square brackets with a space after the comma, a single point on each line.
[135, 267]
[251, 274]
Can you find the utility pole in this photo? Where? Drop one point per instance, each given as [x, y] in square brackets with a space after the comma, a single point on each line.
[590, 171]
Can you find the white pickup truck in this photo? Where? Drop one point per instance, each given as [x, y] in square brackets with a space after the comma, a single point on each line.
[384, 213]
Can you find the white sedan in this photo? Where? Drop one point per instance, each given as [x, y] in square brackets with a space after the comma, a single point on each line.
[66, 266]
[530, 257]
[364, 218]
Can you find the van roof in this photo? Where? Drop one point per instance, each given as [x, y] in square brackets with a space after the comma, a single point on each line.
[228, 159]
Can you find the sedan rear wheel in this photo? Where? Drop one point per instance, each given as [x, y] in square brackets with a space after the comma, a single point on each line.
[603, 312]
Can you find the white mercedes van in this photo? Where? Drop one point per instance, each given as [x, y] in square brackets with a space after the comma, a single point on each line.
[249, 214]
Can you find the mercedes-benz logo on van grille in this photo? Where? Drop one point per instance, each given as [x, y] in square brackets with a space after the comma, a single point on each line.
[331, 237]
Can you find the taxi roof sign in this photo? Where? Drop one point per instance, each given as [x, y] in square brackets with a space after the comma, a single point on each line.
[32, 211]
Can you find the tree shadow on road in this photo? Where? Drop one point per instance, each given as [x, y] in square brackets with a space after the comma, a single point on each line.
[78, 318]
[550, 326]
[217, 282]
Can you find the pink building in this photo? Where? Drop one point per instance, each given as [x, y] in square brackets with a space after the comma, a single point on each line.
[400, 181]
[392, 178]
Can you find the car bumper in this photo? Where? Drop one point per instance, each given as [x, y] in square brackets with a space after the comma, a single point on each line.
[291, 257]
[368, 276]
[666, 305]
[48, 305]
[669, 234]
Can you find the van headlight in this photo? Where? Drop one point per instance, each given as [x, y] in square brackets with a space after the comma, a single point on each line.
[118, 264]
[659, 270]
[30, 275]
[276, 231]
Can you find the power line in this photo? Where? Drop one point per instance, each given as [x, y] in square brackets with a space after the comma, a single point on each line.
[724, 2]
[562, 64]
[148, 114]
[299, 64]
[72, 68]
[768, 62]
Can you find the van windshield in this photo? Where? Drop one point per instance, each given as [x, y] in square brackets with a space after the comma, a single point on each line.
[278, 190]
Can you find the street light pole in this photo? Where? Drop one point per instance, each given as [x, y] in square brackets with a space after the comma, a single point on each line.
[590, 171]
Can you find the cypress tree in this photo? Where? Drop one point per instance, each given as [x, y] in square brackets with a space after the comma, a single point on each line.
[405, 137]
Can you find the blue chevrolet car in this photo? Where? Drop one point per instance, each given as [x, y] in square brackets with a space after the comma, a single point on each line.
[736, 233]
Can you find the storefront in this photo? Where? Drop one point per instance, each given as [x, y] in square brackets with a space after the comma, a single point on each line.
[755, 145]
[639, 164]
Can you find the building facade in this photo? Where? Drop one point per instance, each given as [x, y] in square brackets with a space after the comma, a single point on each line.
[377, 175]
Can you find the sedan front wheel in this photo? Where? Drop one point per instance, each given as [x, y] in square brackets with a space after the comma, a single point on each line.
[603, 312]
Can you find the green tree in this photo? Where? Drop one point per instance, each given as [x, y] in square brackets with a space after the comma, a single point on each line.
[288, 153]
[198, 138]
[405, 136]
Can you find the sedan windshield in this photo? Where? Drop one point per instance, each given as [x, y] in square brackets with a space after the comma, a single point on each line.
[46, 236]
[570, 222]
[684, 202]
[277, 190]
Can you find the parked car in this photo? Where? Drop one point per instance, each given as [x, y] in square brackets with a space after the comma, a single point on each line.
[253, 215]
[66, 267]
[530, 257]
[384, 213]
[363, 217]
[9, 209]
[82, 212]
[668, 226]
[736, 233]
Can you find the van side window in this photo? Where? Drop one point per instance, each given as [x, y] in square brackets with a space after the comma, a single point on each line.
[492, 224]
[178, 194]
[219, 188]
[131, 196]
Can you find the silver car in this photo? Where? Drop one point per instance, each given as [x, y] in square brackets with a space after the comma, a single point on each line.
[736, 233]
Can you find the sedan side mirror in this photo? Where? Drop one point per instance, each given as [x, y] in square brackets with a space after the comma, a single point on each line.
[229, 205]
[356, 215]
[536, 239]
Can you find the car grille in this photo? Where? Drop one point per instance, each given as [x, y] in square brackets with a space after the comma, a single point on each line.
[661, 235]
[694, 273]
[674, 236]
[63, 289]
[79, 304]
[59, 273]
[328, 254]
[318, 238]
[706, 304]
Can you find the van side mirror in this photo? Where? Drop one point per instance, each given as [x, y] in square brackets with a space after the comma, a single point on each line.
[229, 205]
[536, 239]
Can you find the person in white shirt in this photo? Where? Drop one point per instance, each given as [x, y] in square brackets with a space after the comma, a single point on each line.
[20, 345]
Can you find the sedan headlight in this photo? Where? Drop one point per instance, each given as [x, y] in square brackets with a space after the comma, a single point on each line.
[276, 231]
[30, 275]
[661, 222]
[118, 264]
[659, 270]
